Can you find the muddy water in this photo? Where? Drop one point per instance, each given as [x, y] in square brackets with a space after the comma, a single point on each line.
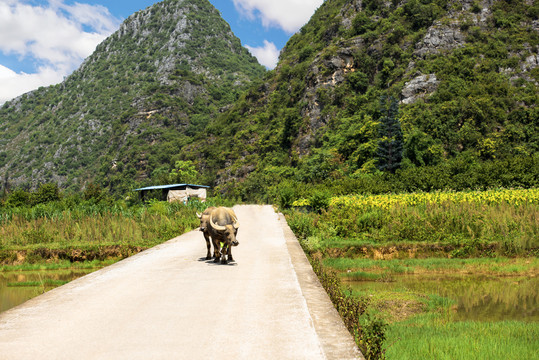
[479, 298]
[12, 294]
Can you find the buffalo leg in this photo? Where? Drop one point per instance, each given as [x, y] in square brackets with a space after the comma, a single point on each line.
[229, 252]
[208, 245]
[216, 251]
[224, 251]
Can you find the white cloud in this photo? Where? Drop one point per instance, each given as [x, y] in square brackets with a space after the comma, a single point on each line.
[96, 16]
[6, 73]
[14, 84]
[289, 15]
[267, 55]
[54, 35]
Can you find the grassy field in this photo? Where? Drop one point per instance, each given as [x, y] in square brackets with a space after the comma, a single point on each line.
[384, 239]
[50, 234]
[430, 336]
[501, 266]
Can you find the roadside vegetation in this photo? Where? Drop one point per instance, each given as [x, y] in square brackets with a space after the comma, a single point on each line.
[46, 229]
[377, 244]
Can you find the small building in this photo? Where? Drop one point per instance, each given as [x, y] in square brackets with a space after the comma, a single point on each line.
[176, 192]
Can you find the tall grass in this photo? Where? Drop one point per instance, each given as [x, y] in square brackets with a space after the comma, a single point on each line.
[53, 225]
[509, 219]
[59, 209]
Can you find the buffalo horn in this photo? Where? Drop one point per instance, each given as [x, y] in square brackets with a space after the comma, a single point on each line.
[215, 226]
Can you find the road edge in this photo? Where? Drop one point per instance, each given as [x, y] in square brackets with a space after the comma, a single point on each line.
[335, 340]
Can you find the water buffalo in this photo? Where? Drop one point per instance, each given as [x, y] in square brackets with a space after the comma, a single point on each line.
[223, 228]
[205, 228]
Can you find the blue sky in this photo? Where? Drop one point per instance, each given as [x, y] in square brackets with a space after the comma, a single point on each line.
[42, 41]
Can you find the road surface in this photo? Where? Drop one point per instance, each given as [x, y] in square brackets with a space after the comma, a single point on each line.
[168, 302]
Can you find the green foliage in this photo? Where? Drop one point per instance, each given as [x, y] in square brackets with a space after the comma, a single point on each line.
[488, 224]
[19, 197]
[46, 193]
[373, 336]
[422, 13]
[94, 192]
[287, 195]
[472, 227]
[305, 53]
[362, 23]
[184, 172]
[321, 165]
[421, 150]
[320, 200]
[61, 229]
[303, 225]
[390, 146]
[359, 81]
[430, 337]
[473, 131]
[369, 332]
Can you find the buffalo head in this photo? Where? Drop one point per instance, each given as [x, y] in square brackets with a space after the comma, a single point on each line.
[228, 230]
[205, 218]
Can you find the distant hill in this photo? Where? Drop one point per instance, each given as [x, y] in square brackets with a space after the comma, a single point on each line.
[128, 111]
[369, 96]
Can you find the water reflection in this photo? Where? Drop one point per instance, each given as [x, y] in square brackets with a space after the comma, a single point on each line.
[34, 283]
[481, 298]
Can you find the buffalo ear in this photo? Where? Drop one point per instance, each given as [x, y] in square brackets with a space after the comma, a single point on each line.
[199, 216]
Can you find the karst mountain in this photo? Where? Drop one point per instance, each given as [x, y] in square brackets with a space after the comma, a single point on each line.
[369, 95]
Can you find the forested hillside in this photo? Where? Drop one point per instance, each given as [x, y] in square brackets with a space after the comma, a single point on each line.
[369, 96]
[381, 96]
[124, 116]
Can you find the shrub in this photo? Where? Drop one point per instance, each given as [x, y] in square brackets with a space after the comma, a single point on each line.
[320, 200]
[46, 193]
[301, 224]
[19, 197]
[286, 197]
[359, 81]
[368, 331]
[373, 337]
[93, 192]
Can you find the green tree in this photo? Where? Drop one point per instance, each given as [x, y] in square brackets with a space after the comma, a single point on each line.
[421, 150]
[359, 81]
[19, 197]
[390, 146]
[94, 192]
[46, 193]
[184, 172]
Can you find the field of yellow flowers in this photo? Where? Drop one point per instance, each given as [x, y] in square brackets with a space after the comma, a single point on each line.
[506, 220]
[517, 197]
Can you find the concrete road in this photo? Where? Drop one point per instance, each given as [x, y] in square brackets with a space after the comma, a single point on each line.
[170, 303]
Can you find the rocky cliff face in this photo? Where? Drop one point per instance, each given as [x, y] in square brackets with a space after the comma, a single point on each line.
[462, 72]
[457, 26]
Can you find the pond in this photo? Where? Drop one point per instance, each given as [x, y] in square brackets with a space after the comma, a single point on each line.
[18, 286]
[479, 298]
